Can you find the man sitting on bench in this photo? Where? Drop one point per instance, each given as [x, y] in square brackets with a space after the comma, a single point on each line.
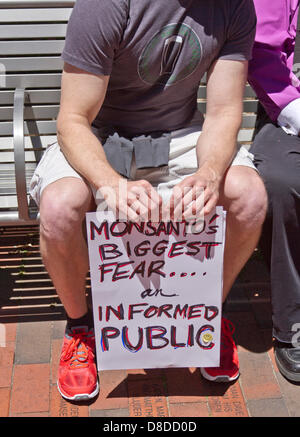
[129, 113]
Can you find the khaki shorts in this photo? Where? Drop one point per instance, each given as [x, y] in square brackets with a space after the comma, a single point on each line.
[182, 163]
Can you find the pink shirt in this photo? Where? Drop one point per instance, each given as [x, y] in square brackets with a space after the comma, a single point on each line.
[270, 70]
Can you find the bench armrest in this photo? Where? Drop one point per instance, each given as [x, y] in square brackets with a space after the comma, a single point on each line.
[19, 153]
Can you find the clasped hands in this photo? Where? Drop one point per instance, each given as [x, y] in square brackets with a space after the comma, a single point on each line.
[191, 199]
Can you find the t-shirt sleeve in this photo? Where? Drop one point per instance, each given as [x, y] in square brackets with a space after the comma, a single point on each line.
[241, 32]
[94, 33]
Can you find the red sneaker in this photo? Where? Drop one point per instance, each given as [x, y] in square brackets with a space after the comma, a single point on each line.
[229, 361]
[77, 374]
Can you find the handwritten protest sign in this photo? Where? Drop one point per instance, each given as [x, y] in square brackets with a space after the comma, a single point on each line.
[156, 292]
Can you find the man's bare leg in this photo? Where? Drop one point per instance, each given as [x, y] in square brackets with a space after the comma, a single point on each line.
[64, 251]
[244, 198]
[63, 248]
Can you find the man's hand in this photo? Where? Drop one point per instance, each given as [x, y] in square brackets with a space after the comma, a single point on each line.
[134, 201]
[195, 196]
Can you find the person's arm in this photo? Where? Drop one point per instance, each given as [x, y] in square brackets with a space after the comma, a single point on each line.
[270, 70]
[217, 143]
[82, 95]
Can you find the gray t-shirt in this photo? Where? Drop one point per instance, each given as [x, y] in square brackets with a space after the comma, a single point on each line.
[156, 52]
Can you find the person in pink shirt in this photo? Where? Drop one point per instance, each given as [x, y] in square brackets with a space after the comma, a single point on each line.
[276, 148]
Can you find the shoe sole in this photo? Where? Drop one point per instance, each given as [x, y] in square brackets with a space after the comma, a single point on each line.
[82, 396]
[219, 378]
[289, 375]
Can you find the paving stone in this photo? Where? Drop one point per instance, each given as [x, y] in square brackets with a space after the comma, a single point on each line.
[30, 391]
[60, 407]
[4, 401]
[56, 346]
[190, 409]
[58, 329]
[33, 343]
[10, 331]
[7, 354]
[230, 403]
[250, 338]
[6, 364]
[257, 376]
[272, 358]
[5, 376]
[40, 414]
[291, 394]
[185, 385]
[135, 374]
[121, 412]
[113, 391]
[147, 398]
[267, 408]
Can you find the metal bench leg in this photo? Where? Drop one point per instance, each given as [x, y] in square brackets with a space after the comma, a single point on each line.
[19, 153]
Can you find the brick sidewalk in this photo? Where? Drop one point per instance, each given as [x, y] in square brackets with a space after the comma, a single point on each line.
[34, 322]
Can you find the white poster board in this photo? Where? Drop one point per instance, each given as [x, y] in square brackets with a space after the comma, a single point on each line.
[156, 292]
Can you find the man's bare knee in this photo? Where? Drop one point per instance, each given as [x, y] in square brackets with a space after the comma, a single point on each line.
[62, 210]
[246, 200]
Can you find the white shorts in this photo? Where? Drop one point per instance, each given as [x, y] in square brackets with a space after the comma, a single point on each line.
[182, 162]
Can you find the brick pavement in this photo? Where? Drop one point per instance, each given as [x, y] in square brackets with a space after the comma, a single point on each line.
[34, 323]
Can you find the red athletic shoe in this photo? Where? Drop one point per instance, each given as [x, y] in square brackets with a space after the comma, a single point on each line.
[229, 361]
[77, 374]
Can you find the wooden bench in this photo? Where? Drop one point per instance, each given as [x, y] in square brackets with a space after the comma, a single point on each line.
[31, 40]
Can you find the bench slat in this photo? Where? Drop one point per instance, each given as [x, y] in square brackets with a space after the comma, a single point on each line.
[8, 48]
[53, 96]
[7, 191]
[248, 106]
[51, 112]
[6, 143]
[248, 121]
[248, 93]
[9, 202]
[10, 167]
[35, 96]
[49, 127]
[31, 112]
[35, 15]
[8, 157]
[54, 80]
[46, 63]
[51, 80]
[17, 31]
[245, 135]
[43, 127]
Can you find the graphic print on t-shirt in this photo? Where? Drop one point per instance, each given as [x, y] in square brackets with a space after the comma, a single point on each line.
[170, 56]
